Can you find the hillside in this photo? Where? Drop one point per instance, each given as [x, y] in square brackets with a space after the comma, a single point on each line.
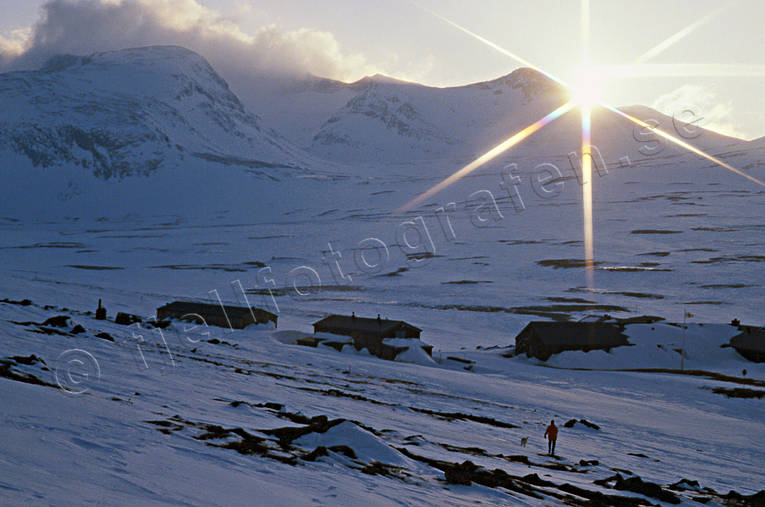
[128, 112]
[127, 415]
[379, 120]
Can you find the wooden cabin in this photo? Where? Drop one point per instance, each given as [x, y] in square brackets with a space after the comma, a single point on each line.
[543, 339]
[750, 343]
[233, 317]
[369, 333]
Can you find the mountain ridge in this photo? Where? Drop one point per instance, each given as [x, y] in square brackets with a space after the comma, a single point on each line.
[379, 119]
[132, 111]
[127, 112]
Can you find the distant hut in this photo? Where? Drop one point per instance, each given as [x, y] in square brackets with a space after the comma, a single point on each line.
[750, 343]
[543, 339]
[235, 317]
[370, 333]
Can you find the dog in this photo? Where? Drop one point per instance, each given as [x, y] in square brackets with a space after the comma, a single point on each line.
[524, 441]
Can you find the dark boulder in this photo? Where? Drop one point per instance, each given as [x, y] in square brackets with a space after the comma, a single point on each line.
[570, 424]
[649, 489]
[460, 473]
[28, 360]
[57, 321]
[105, 336]
[126, 319]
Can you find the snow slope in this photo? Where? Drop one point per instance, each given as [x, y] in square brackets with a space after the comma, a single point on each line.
[111, 132]
[128, 112]
[237, 417]
[379, 120]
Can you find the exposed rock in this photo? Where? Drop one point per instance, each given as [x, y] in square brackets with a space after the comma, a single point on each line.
[27, 378]
[57, 321]
[105, 336]
[570, 423]
[318, 424]
[736, 499]
[160, 324]
[28, 360]
[377, 468]
[23, 302]
[650, 489]
[344, 450]
[460, 473]
[126, 319]
[316, 453]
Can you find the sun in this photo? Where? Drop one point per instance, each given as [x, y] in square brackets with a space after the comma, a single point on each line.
[588, 86]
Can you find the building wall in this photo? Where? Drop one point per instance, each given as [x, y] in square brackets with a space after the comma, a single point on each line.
[373, 343]
[522, 342]
[537, 348]
[755, 356]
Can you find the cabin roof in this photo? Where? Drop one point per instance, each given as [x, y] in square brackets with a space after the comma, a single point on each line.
[577, 333]
[188, 307]
[351, 323]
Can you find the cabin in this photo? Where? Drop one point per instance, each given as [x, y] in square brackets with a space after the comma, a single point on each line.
[543, 339]
[750, 343]
[232, 317]
[371, 333]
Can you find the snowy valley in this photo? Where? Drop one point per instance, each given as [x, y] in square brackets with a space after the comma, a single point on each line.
[138, 177]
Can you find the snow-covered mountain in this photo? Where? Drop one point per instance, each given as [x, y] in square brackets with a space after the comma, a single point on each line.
[405, 121]
[134, 111]
[380, 119]
[129, 112]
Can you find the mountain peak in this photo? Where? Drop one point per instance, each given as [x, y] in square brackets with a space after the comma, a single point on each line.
[382, 78]
[129, 112]
[138, 55]
[531, 81]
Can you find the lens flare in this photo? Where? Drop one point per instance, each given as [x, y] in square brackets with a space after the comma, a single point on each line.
[685, 145]
[589, 250]
[675, 38]
[680, 70]
[585, 28]
[492, 45]
[488, 156]
[585, 93]
[588, 86]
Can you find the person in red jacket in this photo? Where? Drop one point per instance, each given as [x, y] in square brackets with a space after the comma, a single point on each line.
[551, 433]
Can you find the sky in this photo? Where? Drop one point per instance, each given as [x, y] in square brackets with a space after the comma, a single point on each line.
[708, 60]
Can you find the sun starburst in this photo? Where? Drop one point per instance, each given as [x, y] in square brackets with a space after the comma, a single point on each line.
[586, 93]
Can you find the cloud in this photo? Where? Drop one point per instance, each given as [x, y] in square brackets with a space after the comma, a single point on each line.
[14, 45]
[701, 105]
[88, 26]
